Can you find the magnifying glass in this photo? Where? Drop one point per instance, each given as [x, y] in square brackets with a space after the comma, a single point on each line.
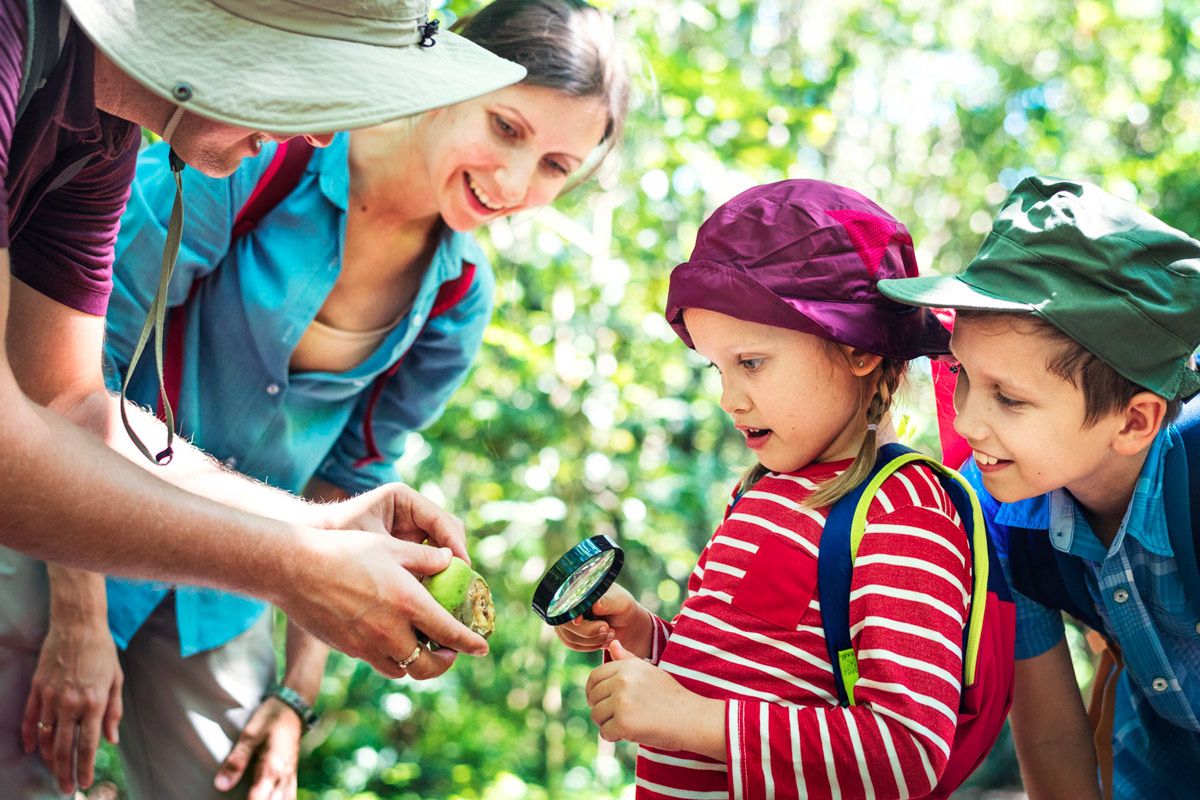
[577, 580]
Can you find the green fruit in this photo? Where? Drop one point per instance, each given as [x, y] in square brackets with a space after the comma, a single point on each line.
[465, 594]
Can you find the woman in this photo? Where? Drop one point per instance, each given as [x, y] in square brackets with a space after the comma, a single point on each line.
[286, 356]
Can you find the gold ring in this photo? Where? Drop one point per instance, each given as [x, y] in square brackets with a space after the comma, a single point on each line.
[406, 663]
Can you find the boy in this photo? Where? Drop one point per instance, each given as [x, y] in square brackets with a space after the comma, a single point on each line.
[1077, 320]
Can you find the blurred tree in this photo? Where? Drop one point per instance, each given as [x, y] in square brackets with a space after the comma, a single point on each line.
[586, 415]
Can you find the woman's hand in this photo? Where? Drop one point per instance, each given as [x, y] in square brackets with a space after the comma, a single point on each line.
[618, 616]
[639, 702]
[77, 684]
[272, 740]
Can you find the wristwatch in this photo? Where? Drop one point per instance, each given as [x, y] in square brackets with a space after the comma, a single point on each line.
[296, 703]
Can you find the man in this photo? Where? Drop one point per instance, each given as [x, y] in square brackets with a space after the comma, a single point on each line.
[215, 78]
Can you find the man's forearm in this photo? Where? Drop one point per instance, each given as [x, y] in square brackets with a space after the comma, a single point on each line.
[68, 498]
[190, 467]
[77, 597]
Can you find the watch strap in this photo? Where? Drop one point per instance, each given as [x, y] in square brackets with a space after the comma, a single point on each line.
[292, 699]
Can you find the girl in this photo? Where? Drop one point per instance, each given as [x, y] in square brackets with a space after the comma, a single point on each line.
[736, 697]
[287, 348]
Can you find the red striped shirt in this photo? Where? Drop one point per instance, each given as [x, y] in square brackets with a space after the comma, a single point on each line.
[750, 632]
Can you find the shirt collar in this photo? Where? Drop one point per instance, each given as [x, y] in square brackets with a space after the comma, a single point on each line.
[333, 173]
[333, 177]
[1145, 519]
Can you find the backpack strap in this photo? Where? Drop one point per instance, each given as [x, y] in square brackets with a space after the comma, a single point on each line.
[279, 180]
[450, 295]
[45, 29]
[844, 529]
[1181, 487]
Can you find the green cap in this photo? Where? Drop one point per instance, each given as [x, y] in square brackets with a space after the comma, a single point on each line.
[1123, 284]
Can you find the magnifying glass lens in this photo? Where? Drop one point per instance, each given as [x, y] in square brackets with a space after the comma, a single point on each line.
[577, 580]
[581, 582]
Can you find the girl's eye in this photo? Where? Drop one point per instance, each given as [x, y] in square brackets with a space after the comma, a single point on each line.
[751, 364]
[556, 167]
[1007, 401]
[711, 365]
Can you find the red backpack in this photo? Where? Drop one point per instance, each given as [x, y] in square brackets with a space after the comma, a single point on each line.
[988, 637]
[277, 182]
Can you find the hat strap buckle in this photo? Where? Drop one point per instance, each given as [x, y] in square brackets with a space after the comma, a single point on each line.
[428, 30]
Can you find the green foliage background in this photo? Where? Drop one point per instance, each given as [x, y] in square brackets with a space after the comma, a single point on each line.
[586, 415]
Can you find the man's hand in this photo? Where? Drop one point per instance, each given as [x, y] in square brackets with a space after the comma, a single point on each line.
[398, 511]
[361, 593]
[618, 616]
[76, 689]
[638, 702]
[272, 740]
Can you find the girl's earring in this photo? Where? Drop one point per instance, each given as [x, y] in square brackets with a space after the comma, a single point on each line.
[862, 363]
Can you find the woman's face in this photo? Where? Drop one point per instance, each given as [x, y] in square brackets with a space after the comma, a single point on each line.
[506, 151]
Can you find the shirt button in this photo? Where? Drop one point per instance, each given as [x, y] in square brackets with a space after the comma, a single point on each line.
[1159, 684]
[1120, 595]
[273, 389]
[1198, 627]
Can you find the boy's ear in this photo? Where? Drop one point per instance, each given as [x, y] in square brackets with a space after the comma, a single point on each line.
[861, 362]
[1142, 419]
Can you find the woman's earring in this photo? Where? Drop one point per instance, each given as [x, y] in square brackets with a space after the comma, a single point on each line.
[862, 363]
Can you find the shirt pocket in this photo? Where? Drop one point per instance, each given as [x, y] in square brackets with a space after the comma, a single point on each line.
[779, 583]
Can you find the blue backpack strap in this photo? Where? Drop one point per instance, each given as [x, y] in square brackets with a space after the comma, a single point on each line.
[844, 528]
[1181, 485]
[834, 567]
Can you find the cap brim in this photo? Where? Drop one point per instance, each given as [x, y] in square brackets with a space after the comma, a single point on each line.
[262, 78]
[946, 291]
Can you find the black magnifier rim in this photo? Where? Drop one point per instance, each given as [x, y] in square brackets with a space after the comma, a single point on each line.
[565, 567]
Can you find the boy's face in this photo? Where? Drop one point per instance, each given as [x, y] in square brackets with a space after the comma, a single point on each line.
[1024, 423]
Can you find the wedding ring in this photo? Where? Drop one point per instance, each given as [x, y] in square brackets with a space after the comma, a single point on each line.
[406, 663]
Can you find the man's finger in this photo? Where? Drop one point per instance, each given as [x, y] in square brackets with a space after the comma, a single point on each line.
[234, 765]
[112, 716]
[266, 779]
[29, 728]
[46, 734]
[86, 745]
[62, 752]
[431, 664]
[421, 559]
[438, 624]
[417, 513]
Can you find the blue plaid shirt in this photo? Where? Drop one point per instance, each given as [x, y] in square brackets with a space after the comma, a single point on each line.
[1139, 596]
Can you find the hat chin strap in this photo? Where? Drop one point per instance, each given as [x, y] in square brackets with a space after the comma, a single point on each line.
[173, 123]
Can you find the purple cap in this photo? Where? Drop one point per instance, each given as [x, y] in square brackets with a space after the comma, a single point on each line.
[807, 255]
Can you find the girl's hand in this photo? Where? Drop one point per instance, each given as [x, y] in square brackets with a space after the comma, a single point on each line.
[272, 740]
[639, 702]
[618, 616]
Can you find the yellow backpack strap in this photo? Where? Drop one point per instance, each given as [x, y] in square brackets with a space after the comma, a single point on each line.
[975, 530]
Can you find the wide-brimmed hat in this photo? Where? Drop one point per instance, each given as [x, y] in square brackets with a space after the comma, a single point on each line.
[806, 255]
[292, 66]
[1123, 284]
